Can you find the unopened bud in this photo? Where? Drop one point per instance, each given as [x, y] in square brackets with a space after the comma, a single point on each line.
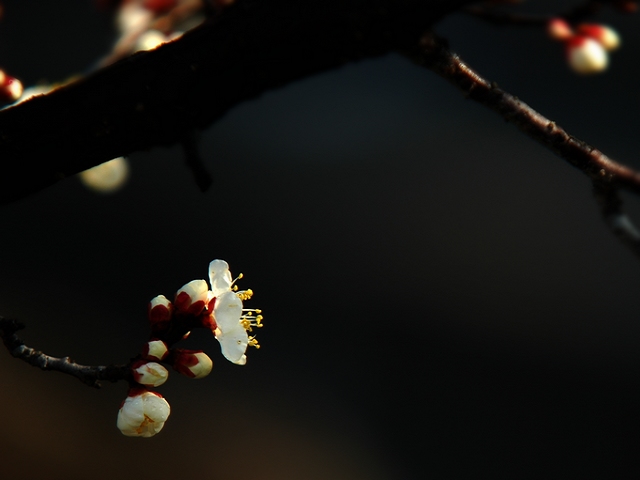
[605, 36]
[192, 297]
[192, 363]
[586, 55]
[558, 29]
[155, 350]
[149, 374]
[143, 413]
[10, 88]
[160, 310]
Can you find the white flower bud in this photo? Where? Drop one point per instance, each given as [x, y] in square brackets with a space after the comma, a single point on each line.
[160, 310]
[586, 55]
[143, 413]
[149, 374]
[107, 177]
[191, 298]
[192, 363]
[155, 350]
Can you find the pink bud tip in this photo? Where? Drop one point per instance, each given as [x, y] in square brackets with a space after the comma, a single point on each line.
[558, 29]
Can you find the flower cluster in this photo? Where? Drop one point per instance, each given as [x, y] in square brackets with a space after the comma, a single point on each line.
[587, 45]
[217, 307]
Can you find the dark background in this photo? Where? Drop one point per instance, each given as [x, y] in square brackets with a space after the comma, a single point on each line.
[442, 299]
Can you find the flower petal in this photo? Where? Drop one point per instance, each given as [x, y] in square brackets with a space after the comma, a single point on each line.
[227, 311]
[219, 277]
[233, 344]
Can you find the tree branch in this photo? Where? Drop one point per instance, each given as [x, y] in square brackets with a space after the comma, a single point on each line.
[433, 53]
[606, 174]
[90, 375]
[157, 98]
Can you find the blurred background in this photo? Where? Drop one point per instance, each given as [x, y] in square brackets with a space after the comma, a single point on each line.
[441, 297]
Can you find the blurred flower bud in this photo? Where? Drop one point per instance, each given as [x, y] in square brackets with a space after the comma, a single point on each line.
[605, 36]
[192, 297]
[155, 350]
[150, 40]
[558, 29]
[143, 413]
[160, 6]
[192, 363]
[107, 177]
[586, 56]
[10, 88]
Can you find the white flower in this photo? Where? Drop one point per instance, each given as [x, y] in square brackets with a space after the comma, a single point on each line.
[232, 321]
[143, 413]
[149, 374]
[231, 334]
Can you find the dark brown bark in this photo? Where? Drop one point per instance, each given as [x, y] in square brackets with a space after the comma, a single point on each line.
[159, 98]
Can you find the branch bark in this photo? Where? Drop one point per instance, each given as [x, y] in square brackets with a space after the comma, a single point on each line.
[90, 375]
[160, 97]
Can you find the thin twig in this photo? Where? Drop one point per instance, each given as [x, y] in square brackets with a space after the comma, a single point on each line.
[608, 176]
[434, 54]
[90, 375]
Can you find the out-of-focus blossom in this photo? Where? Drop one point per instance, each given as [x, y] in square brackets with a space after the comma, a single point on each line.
[605, 36]
[10, 88]
[586, 56]
[107, 177]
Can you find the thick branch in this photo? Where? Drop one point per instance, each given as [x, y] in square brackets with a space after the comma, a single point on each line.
[90, 375]
[157, 98]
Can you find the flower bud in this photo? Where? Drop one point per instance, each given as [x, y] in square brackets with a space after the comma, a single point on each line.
[558, 29]
[10, 88]
[143, 413]
[586, 55]
[108, 177]
[160, 310]
[192, 297]
[159, 6]
[605, 36]
[149, 374]
[155, 349]
[192, 363]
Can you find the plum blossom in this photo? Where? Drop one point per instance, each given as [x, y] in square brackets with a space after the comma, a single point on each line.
[232, 321]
